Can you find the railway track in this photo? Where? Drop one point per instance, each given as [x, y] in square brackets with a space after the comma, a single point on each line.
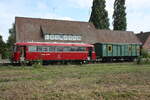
[7, 63]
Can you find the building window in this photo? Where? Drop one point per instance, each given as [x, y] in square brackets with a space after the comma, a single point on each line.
[74, 38]
[47, 37]
[79, 38]
[62, 37]
[52, 37]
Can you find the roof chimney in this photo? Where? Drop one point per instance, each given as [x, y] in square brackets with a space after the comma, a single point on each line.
[141, 32]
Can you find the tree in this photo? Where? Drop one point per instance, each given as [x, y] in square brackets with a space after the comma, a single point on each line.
[119, 16]
[11, 39]
[99, 15]
[2, 47]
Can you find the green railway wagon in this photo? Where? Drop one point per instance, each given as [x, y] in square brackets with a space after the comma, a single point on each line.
[117, 51]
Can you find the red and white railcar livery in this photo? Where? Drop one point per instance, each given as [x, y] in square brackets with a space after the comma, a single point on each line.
[31, 51]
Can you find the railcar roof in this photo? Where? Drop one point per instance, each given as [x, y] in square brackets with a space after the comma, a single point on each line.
[53, 44]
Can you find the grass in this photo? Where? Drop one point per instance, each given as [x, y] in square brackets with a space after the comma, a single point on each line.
[76, 82]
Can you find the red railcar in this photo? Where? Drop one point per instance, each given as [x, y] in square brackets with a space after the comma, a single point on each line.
[30, 51]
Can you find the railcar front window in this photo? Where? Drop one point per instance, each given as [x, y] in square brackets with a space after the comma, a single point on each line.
[15, 49]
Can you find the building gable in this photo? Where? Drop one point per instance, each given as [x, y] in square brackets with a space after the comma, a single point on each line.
[145, 39]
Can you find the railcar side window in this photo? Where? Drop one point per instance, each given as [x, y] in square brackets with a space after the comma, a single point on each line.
[81, 49]
[39, 49]
[51, 49]
[67, 49]
[55, 48]
[138, 48]
[45, 49]
[59, 48]
[74, 48]
[32, 48]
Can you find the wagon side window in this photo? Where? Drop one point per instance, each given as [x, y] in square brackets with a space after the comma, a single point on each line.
[110, 48]
[138, 48]
[129, 48]
[32, 48]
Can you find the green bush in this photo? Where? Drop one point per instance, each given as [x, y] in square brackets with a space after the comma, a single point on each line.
[144, 58]
[145, 54]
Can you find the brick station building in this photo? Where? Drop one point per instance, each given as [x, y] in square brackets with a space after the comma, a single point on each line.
[144, 37]
[48, 30]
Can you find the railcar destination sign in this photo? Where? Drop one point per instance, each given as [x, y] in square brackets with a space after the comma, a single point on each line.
[63, 37]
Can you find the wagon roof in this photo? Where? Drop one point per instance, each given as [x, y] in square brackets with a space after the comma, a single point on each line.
[109, 36]
[52, 44]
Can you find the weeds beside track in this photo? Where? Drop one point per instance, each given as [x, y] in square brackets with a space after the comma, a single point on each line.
[76, 82]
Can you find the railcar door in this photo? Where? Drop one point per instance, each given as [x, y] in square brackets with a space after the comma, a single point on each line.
[90, 49]
[22, 53]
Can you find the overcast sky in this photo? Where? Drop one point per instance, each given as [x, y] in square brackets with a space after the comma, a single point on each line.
[138, 12]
